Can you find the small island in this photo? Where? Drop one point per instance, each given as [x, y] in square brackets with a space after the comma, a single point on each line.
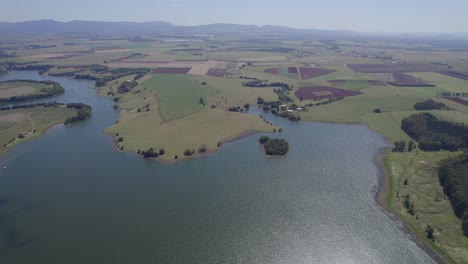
[274, 146]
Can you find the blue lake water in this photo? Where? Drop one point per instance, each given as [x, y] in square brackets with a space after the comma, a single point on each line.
[68, 197]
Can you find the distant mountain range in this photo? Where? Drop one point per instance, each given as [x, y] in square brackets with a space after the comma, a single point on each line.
[161, 28]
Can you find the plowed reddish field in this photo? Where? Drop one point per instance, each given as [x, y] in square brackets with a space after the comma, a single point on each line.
[323, 92]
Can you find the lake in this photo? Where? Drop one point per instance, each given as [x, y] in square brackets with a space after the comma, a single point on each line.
[69, 197]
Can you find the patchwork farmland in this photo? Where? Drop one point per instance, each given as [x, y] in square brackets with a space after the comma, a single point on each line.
[402, 79]
[309, 72]
[323, 92]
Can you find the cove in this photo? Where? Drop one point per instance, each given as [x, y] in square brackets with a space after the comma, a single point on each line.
[69, 197]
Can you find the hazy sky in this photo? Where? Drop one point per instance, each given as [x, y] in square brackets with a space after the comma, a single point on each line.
[358, 15]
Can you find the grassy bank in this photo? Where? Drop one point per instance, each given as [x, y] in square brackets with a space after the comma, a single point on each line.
[33, 122]
[178, 113]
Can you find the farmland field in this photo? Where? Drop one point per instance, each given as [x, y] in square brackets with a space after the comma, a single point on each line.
[34, 121]
[309, 73]
[171, 70]
[393, 67]
[178, 95]
[458, 100]
[192, 93]
[13, 89]
[402, 79]
[323, 92]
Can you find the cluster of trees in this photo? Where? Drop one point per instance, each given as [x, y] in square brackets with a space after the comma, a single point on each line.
[127, 86]
[400, 146]
[3, 71]
[52, 89]
[430, 105]
[121, 72]
[151, 153]
[276, 109]
[452, 176]
[25, 106]
[449, 94]
[189, 152]
[409, 206]
[259, 83]
[20, 67]
[274, 146]
[97, 68]
[433, 134]
[329, 101]
[4, 55]
[84, 111]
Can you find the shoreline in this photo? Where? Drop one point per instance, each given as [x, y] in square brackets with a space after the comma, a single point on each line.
[383, 197]
[187, 158]
[36, 135]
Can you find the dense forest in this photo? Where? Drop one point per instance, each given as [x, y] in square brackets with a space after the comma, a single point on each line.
[453, 176]
[430, 105]
[52, 89]
[433, 134]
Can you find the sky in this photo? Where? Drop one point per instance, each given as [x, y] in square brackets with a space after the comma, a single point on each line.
[431, 16]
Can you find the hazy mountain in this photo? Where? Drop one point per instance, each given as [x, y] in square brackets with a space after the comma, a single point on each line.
[159, 27]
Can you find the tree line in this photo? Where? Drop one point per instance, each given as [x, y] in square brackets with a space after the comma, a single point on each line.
[84, 111]
[52, 89]
[25, 106]
[433, 134]
[430, 105]
[121, 72]
[453, 177]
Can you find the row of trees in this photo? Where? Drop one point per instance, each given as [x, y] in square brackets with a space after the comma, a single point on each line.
[433, 134]
[400, 146]
[14, 66]
[452, 176]
[121, 72]
[449, 94]
[25, 106]
[127, 86]
[259, 83]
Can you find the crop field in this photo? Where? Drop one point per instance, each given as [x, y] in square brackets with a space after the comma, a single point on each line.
[309, 72]
[215, 72]
[22, 88]
[402, 79]
[459, 75]
[274, 71]
[171, 70]
[34, 121]
[178, 95]
[458, 100]
[356, 84]
[393, 67]
[292, 70]
[323, 92]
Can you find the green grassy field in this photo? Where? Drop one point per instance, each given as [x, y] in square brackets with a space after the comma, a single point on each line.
[34, 121]
[431, 205]
[171, 116]
[9, 89]
[178, 95]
